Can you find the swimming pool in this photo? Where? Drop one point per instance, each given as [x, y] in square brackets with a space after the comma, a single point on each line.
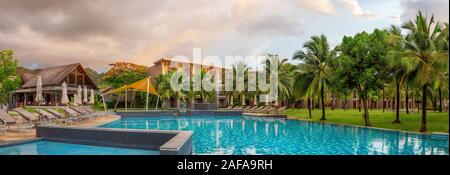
[44, 147]
[244, 135]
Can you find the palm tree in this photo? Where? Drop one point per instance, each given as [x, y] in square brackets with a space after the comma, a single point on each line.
[201, 77]
[283, 78]
[400, 70]
[315, 65]
[163, 87]
[421, 50]
[240, 70]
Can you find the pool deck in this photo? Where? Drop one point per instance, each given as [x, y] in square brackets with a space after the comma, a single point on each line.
[12, 136]
[266, 115]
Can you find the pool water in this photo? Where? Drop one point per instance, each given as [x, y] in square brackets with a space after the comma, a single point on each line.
[60, 148]
[243, 135]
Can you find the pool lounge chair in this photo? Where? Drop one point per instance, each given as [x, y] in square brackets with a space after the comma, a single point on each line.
[268, 110]
[80, 110]
[238, 107]
[264, 109]
[280, 110]
[255, 110]
[250, 109]
[61, 117]
[74, 115]
[46, 115]
[88, 109]
[246, 107]
[30, 117]
[229, 107]
[6, 119]
[86, 113]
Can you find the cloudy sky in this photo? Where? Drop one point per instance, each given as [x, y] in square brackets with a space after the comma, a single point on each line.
[47, 33]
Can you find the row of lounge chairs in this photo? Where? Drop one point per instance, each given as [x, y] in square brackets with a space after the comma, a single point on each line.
[46, 115]
[260, 109]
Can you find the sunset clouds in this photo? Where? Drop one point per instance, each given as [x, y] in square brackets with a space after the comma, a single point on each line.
[96, 33]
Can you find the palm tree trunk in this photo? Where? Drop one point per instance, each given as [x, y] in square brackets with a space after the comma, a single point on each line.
[397, 112]
[434, 103]
[323, 103]
[345, 104]
[423, 126]
[359, 104]
[309, 107]
[383, 100]
[440, 100]
[407, 100]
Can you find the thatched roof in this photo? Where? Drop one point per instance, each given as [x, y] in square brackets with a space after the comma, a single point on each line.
[50, 76]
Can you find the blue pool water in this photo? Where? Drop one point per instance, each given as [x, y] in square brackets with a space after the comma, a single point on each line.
[59, 148]
[243, 135]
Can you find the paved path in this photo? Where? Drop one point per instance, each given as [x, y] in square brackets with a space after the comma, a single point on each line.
[29, 134]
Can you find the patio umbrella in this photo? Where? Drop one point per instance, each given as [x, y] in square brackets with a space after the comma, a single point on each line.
[92, 100]
[78, 96]
[231, 101]
[39, 96]
[64, 97]
[85, 95]
[276, 101]
[255, 101]
[243, 100]
[267, 100]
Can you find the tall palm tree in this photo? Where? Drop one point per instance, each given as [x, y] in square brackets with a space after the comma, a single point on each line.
[163, 87]
[240, 70]
[422, 51]
[315, 65]
[283, 78]
[400, 70]
[201, 77]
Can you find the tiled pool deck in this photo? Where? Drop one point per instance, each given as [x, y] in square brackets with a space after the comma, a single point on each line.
[12, 136]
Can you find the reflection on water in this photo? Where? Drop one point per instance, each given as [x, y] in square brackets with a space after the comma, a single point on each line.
[229, 135]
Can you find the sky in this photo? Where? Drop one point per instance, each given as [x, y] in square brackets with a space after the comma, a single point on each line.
[48, 33]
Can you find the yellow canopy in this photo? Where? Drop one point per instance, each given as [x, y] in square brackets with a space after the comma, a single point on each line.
[144, 85]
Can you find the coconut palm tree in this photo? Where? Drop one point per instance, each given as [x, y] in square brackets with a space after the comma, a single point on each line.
[202, 77]
[163, 88]
[315, 65]
[283, 78]
[422, 51]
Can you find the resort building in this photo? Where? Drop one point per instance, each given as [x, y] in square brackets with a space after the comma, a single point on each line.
[165, 65]
[52, 80]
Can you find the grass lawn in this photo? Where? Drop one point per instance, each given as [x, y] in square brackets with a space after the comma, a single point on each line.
[436, 122]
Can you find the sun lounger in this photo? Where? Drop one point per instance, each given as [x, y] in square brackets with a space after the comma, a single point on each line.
[256, 109]
[247, 107]
[6, 119]
[238, 107]
[62, 117]
[229, 107]
[3, 129]
[47, 115]
[280, 110]
[88, 109]
[263, 109]
[80, 110]
[30, 117]
[73, 115]
[251, 108]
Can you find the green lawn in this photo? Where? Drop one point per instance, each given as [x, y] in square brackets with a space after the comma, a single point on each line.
[436, 122]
